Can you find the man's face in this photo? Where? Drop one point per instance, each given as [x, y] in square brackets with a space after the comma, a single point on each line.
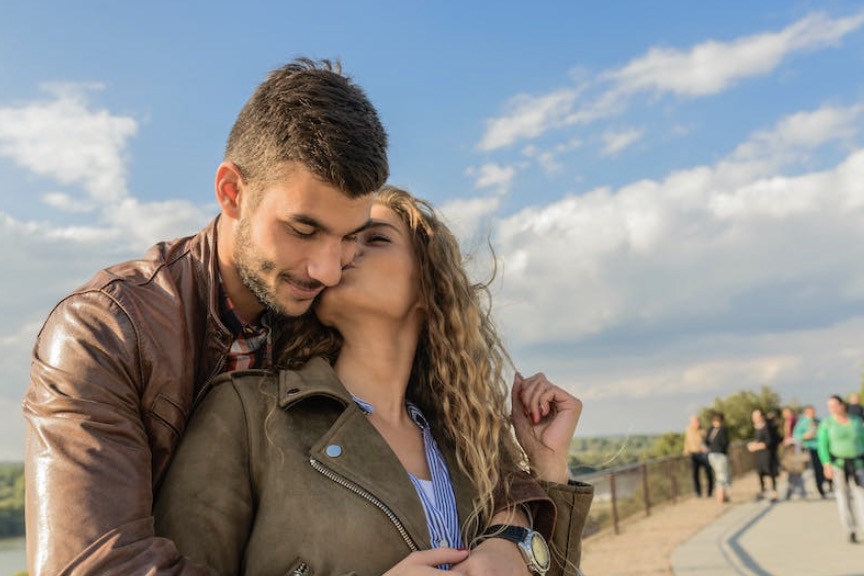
[296, 241]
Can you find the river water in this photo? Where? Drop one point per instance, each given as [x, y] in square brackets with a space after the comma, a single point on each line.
[12, 556]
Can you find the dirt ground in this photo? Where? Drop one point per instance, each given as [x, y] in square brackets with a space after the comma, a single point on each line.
[645, 543]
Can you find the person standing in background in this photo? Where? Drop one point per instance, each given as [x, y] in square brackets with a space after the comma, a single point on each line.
[789, 419]
[717, 441]
[764, 448]
[695, 448]
[805, 433]
[841, 449]
[855, 408]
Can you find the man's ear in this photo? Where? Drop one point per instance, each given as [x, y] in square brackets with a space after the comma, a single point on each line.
[229, 187]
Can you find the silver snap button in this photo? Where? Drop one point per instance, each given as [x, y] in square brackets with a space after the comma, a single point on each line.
[333, 450]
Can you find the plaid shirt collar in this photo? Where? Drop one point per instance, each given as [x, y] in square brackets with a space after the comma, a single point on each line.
[251, 346]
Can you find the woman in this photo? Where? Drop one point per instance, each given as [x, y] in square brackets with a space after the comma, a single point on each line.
[694, 446]
[717, 441]
[841, 449]
[764, 448]
[381, 448]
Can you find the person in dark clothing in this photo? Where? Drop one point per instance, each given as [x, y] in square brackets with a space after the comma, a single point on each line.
[764, 448]
[717, 441]
[694, 447]
[854, 405]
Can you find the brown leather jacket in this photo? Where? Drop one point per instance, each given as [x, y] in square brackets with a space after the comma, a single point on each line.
[307, 485]
[116, 370]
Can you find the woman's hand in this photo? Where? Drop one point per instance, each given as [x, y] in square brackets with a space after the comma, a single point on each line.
[545, 418]
[426, 563]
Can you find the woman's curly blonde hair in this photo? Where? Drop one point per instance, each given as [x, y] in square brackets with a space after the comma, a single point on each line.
[457, 379]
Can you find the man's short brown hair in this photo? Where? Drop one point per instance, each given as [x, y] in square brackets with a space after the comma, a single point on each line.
[309, 112]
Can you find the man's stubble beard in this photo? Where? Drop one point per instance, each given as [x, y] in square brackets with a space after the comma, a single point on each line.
[250, 267]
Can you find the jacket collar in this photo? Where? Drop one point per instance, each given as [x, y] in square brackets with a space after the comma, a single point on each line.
[315, 378]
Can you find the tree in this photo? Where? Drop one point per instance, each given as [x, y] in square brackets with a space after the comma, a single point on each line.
[861, 390]
[11, 500]
[738, 408]
[669, 444]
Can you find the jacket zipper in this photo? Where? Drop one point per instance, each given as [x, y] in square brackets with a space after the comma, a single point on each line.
[300, 570]
[368, 496]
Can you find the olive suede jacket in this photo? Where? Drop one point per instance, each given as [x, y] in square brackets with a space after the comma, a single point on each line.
[284, 473]
[116, 370]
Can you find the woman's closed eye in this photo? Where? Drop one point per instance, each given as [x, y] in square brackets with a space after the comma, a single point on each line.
[374, 237]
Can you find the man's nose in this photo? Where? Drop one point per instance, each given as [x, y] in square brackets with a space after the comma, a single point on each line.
[326, 267]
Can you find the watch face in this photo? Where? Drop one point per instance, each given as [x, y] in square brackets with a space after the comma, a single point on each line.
[540, 550]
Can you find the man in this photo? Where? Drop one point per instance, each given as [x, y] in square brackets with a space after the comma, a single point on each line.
[120, 362]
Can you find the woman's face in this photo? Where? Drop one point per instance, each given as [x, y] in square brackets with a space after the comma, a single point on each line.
[836, 408]
[758, 417]
[383, 278]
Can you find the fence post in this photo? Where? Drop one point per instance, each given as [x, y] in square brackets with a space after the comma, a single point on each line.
[673, 479]
[643, 468]
[614, 499]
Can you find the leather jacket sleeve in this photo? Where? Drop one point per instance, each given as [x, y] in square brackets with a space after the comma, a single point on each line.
[88, 459]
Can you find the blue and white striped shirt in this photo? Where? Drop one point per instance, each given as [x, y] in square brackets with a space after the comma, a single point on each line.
[439, 500]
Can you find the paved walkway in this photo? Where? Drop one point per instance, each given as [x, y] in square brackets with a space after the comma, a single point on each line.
[699, 537]
[797, 537]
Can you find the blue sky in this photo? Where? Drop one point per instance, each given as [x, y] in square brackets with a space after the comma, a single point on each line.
[674, 190]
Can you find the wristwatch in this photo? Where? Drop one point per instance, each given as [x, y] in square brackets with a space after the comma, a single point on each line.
[531, 545]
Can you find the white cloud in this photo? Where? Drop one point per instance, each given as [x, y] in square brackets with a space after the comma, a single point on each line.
[549, 160]
[471, 217]
[66, 203]
[700, 377]
[712, 66]
[615, 142]
[527, 117]
[685, 255]
[65, 140]
[704, 69]
[799, 133]
[493, 175]
[143, 223]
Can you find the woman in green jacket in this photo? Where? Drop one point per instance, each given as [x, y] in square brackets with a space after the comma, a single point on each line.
[380, 446]
[841, 449]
